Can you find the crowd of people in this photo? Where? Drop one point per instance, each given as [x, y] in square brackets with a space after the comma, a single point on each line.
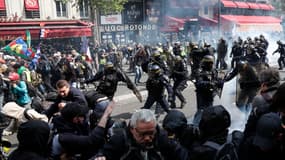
[78, 124]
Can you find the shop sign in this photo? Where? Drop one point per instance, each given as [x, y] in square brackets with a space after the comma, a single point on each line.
[111, 19]
[127, 27]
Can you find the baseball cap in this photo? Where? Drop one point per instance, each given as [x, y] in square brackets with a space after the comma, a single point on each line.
[267, 129]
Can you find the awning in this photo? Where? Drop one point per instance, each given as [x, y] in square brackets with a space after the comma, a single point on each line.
[206, 20]
[229, 4]
[178, 20]
[241, 4]
[53, 29]
[251, 19]
[249, 27]
[172, 24]
[272, 8]
[2, 5]
[32, 5]
[264, 6]
[253, 5]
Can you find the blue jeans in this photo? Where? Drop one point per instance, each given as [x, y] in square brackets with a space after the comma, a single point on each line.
[138, 71]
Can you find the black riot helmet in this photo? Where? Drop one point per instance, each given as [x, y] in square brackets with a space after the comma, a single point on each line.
[279, 42]
[154, 70]
[177, 58]
[208, 62]
[241, 65]
[109, 66]
[156, 54]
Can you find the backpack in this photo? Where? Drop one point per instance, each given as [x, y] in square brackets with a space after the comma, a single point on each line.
[226, 151]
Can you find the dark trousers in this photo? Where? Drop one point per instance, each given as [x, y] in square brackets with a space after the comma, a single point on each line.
[47, 83]
[203, 101]
[281, 62]
[161, 100]
[221, 61]
[178, 87]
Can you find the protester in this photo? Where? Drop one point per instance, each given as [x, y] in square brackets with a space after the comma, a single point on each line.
[214, 132]
[276, 106]
[66, 94]
[19, 89]
[142, 139]
[270, 81]
[177, 127]
[33, 139]
[71, 137]
[267, 142]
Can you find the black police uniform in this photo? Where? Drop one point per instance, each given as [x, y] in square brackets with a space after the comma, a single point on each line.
[155, 85]
[108, 81]
[180, 76]
[281, 50]
[207, 85]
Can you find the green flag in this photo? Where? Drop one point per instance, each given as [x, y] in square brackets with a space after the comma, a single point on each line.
[28, 38]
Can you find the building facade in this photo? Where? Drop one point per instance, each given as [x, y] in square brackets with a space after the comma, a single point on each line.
[241, 17]
[138, 22]
[56, 19]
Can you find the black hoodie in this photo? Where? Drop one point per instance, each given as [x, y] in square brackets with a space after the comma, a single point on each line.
[33, 139]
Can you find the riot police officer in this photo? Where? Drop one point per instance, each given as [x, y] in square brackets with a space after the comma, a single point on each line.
[180, 76]
[248, 81]
[156, 59]
[236, 53]
[108, 80]
[156, 85]
[195, 58]
[207, 84]
[281, 50]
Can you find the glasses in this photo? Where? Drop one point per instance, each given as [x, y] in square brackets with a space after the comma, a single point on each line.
[144, 134]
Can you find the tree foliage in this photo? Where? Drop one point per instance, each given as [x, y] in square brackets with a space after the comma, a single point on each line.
[105, 6]
[279, 5]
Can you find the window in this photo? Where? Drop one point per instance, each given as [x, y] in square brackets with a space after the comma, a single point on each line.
[32, 14]
[83, 8]
[3, 13]
[32, 9]
[206, 10]
[3, 8]
[60, 9]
